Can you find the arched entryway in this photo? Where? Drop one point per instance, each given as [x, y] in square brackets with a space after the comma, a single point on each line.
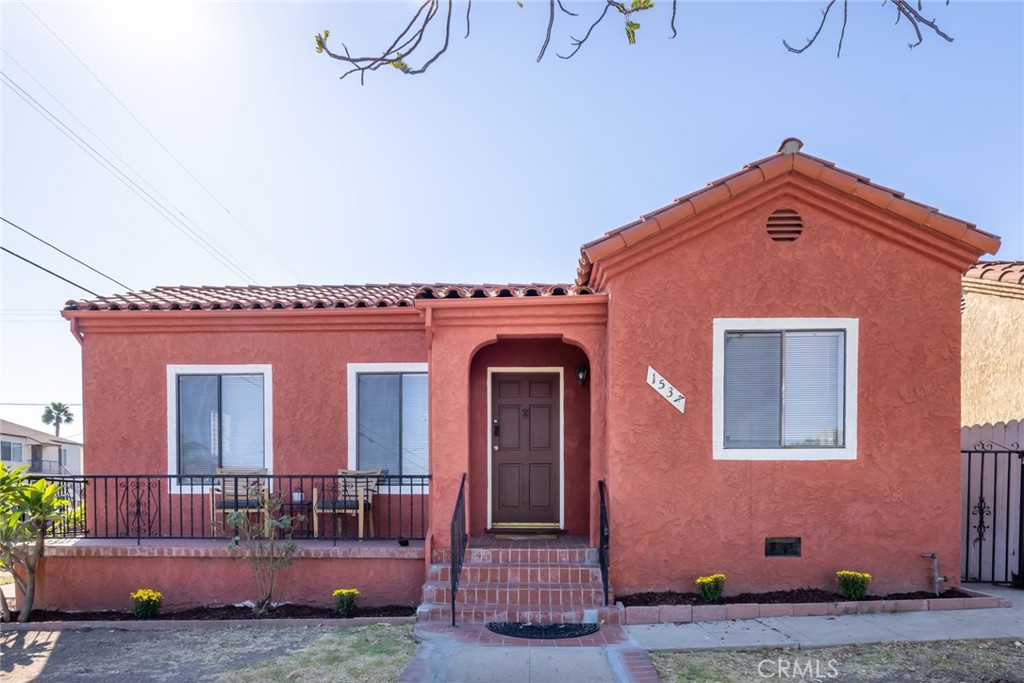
[529, 464]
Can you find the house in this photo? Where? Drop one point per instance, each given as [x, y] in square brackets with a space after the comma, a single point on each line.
[43, 453]
[992, 415]
[760, 378]
[992, 352]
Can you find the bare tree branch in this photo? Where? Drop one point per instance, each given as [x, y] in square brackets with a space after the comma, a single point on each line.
[400, 53]
[547, 38]
[842, 33]
[810, 41]
[904, 8]
[578, 43]
[562, 7]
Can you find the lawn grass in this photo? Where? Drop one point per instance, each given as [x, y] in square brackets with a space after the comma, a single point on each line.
[940, 662]
[371, 654]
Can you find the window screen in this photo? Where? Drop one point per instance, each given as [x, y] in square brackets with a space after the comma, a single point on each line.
[392, 422]
[784, 389]
[220, 422]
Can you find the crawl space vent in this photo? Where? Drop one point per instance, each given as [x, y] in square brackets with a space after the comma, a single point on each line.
[785, 225]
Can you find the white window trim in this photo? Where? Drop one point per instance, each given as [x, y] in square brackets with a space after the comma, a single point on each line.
[356, 369]
[721, 326]
[173, 371]
[21, 452]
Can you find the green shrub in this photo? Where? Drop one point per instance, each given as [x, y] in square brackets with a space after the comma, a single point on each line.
[853, 585]
[146, 603]
[346, 600]
[711, 587]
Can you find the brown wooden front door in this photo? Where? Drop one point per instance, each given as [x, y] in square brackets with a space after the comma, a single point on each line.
[525, 443]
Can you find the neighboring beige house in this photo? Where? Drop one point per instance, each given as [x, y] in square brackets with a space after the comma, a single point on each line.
[43, 453]
[992, 350]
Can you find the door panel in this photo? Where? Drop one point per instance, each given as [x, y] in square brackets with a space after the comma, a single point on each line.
[508, 487]
[540, 427]
[525, 457]
[540, 486]
[509, 428]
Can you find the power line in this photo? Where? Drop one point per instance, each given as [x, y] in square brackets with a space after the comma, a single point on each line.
[15, 225]
[211, 247]
[61, 277]
[99, 140]
[162, 145]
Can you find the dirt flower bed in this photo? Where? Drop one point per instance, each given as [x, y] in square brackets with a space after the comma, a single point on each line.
[227, 612]
[801, 595]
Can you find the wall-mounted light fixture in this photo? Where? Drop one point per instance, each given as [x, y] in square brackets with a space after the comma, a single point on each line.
[582, 373]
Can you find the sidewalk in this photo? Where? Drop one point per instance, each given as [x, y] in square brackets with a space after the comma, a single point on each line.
[471, 654]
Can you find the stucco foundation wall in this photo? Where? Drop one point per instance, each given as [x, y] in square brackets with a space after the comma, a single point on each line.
[124, 382]
[93, 582]
[675, 512]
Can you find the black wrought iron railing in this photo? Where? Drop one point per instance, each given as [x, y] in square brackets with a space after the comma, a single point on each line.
[328, 507]
[992, 526]
[459, 541]
[605, 535]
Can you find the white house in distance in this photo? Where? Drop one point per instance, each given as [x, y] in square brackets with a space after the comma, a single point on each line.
[43, 453]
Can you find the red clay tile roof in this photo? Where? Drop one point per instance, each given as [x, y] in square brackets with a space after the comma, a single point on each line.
[787, 159]
[256, 297]
[1002, 271]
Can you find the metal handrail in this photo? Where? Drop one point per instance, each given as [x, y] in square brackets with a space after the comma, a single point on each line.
[459, 541]
[602, 548]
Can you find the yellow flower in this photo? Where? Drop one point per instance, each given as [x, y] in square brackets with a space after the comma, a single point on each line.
[710, 579]
[345, 591]
[147, 595]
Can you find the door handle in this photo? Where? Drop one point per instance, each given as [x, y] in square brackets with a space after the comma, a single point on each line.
[497, 429]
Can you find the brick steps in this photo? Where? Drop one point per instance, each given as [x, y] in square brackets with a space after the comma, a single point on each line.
[481, 614]
[527, 581]
[517, 594]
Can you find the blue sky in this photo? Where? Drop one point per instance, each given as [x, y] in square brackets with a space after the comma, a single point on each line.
[490, 167]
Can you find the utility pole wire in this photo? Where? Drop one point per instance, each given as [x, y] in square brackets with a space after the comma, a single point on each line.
[55, 248]
[162, 145]
[61, 277]
[213, 249]
[99, 140]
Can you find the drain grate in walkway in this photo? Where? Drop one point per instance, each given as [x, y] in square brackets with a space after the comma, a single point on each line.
[542, 631]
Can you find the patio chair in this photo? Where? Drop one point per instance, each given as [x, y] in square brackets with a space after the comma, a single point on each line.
[236, 490]
[353, 495]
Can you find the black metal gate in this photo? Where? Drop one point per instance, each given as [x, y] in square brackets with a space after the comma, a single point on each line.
[992, 528]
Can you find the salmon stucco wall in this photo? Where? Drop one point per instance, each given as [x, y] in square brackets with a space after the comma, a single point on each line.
[522, 353]
[124, 379]
[676, 513]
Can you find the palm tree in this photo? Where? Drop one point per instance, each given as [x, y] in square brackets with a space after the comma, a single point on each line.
[57, 414]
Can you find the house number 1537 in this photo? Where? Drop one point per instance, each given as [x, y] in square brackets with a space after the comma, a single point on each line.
[669, 392]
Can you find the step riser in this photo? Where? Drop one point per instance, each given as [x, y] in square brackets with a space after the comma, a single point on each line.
[487, 613]
[503, 574]
[521, 556]
[533, 597]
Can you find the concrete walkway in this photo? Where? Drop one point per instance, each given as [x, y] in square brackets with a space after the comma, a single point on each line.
[471, 654]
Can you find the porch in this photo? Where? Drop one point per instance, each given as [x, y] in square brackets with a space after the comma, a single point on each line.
[324, 507]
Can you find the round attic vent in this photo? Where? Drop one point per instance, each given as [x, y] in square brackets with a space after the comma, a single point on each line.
[784, 225]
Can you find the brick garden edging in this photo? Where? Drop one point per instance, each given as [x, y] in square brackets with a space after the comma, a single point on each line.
[684, 614]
